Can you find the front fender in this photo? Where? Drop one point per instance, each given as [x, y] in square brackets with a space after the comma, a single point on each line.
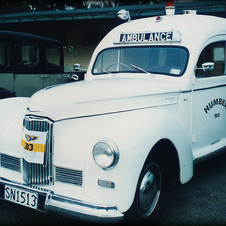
[135, 133]
[11, 122]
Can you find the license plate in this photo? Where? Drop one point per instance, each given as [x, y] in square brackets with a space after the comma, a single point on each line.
[20, 196]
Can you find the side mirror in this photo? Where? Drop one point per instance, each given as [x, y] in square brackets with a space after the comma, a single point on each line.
[208, 66]
[69, 48]
[76, 67]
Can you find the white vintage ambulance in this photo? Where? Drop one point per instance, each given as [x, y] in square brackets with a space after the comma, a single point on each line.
[152, 105]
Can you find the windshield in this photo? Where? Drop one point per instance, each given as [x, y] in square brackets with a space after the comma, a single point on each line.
[153, 59]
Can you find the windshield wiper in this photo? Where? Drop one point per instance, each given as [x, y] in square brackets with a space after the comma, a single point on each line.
[140, 69]
[108, 72]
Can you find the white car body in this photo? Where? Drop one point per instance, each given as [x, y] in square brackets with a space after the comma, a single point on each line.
[135, 111]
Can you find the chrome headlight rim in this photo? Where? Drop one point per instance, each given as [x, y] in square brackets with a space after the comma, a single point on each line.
[114, 153]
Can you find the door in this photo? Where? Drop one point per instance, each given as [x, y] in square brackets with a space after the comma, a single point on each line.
[27, 60]
[6, 77]
[209, 102]
[26, 85]
[33, 62]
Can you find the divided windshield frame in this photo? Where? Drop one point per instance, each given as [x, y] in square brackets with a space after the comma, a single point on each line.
[161, 59]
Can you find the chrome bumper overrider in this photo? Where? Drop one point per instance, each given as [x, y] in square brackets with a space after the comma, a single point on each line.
[50, 202]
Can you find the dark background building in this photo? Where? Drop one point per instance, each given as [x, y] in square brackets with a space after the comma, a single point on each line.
[84, 28]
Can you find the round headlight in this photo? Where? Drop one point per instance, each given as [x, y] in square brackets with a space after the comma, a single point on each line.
[105, 154]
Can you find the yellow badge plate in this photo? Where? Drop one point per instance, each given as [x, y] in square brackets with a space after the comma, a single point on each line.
[33, 147]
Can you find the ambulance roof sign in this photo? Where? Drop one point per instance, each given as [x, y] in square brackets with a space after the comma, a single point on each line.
[150, 37]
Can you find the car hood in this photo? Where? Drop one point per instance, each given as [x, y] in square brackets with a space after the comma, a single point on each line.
[100, 96]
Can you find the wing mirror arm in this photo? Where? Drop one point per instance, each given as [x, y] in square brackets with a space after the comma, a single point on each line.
[208, 66]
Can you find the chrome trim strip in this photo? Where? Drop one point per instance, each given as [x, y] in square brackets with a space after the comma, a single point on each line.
[212, 87]
[209, 155]
[83, 210]
[117, 112]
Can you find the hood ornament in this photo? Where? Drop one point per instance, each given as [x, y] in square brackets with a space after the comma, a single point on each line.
[34, 109]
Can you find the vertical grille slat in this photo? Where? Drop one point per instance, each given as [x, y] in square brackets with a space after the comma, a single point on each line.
[34, 173]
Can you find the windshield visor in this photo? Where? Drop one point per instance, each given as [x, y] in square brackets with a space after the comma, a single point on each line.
[168, 60]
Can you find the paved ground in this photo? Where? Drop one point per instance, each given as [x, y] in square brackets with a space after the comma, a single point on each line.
[202, 201]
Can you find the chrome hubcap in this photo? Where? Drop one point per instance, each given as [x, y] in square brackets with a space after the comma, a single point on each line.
[149, 190]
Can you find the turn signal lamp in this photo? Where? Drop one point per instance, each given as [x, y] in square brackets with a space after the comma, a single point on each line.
[158, 19]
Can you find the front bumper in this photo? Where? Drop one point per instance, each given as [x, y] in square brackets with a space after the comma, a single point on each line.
[48, 202]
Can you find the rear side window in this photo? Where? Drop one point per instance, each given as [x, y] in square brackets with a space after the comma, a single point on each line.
[28, 56]
[215, 53]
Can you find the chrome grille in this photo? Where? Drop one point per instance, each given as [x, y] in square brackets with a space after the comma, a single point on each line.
[10, 162]
[35, 125]
[34, 173]
[68, 176]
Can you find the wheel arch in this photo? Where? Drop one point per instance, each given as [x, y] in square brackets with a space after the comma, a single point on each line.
[165, 153]
[166, 150]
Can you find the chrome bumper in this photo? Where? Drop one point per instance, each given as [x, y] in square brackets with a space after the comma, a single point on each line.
[53, 203]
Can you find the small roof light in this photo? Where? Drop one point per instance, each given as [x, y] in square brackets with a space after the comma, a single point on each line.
[190, 11]
[170, 3]
[124, 15]
[170, 8]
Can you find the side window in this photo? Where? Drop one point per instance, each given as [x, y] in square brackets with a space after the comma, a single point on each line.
[30, 55]
[53, 55]
[27, 56]
[38, 57]
[5, 54]
[215, 53]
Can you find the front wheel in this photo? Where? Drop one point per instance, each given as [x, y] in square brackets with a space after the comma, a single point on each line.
[150, 193]
[149, 190]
